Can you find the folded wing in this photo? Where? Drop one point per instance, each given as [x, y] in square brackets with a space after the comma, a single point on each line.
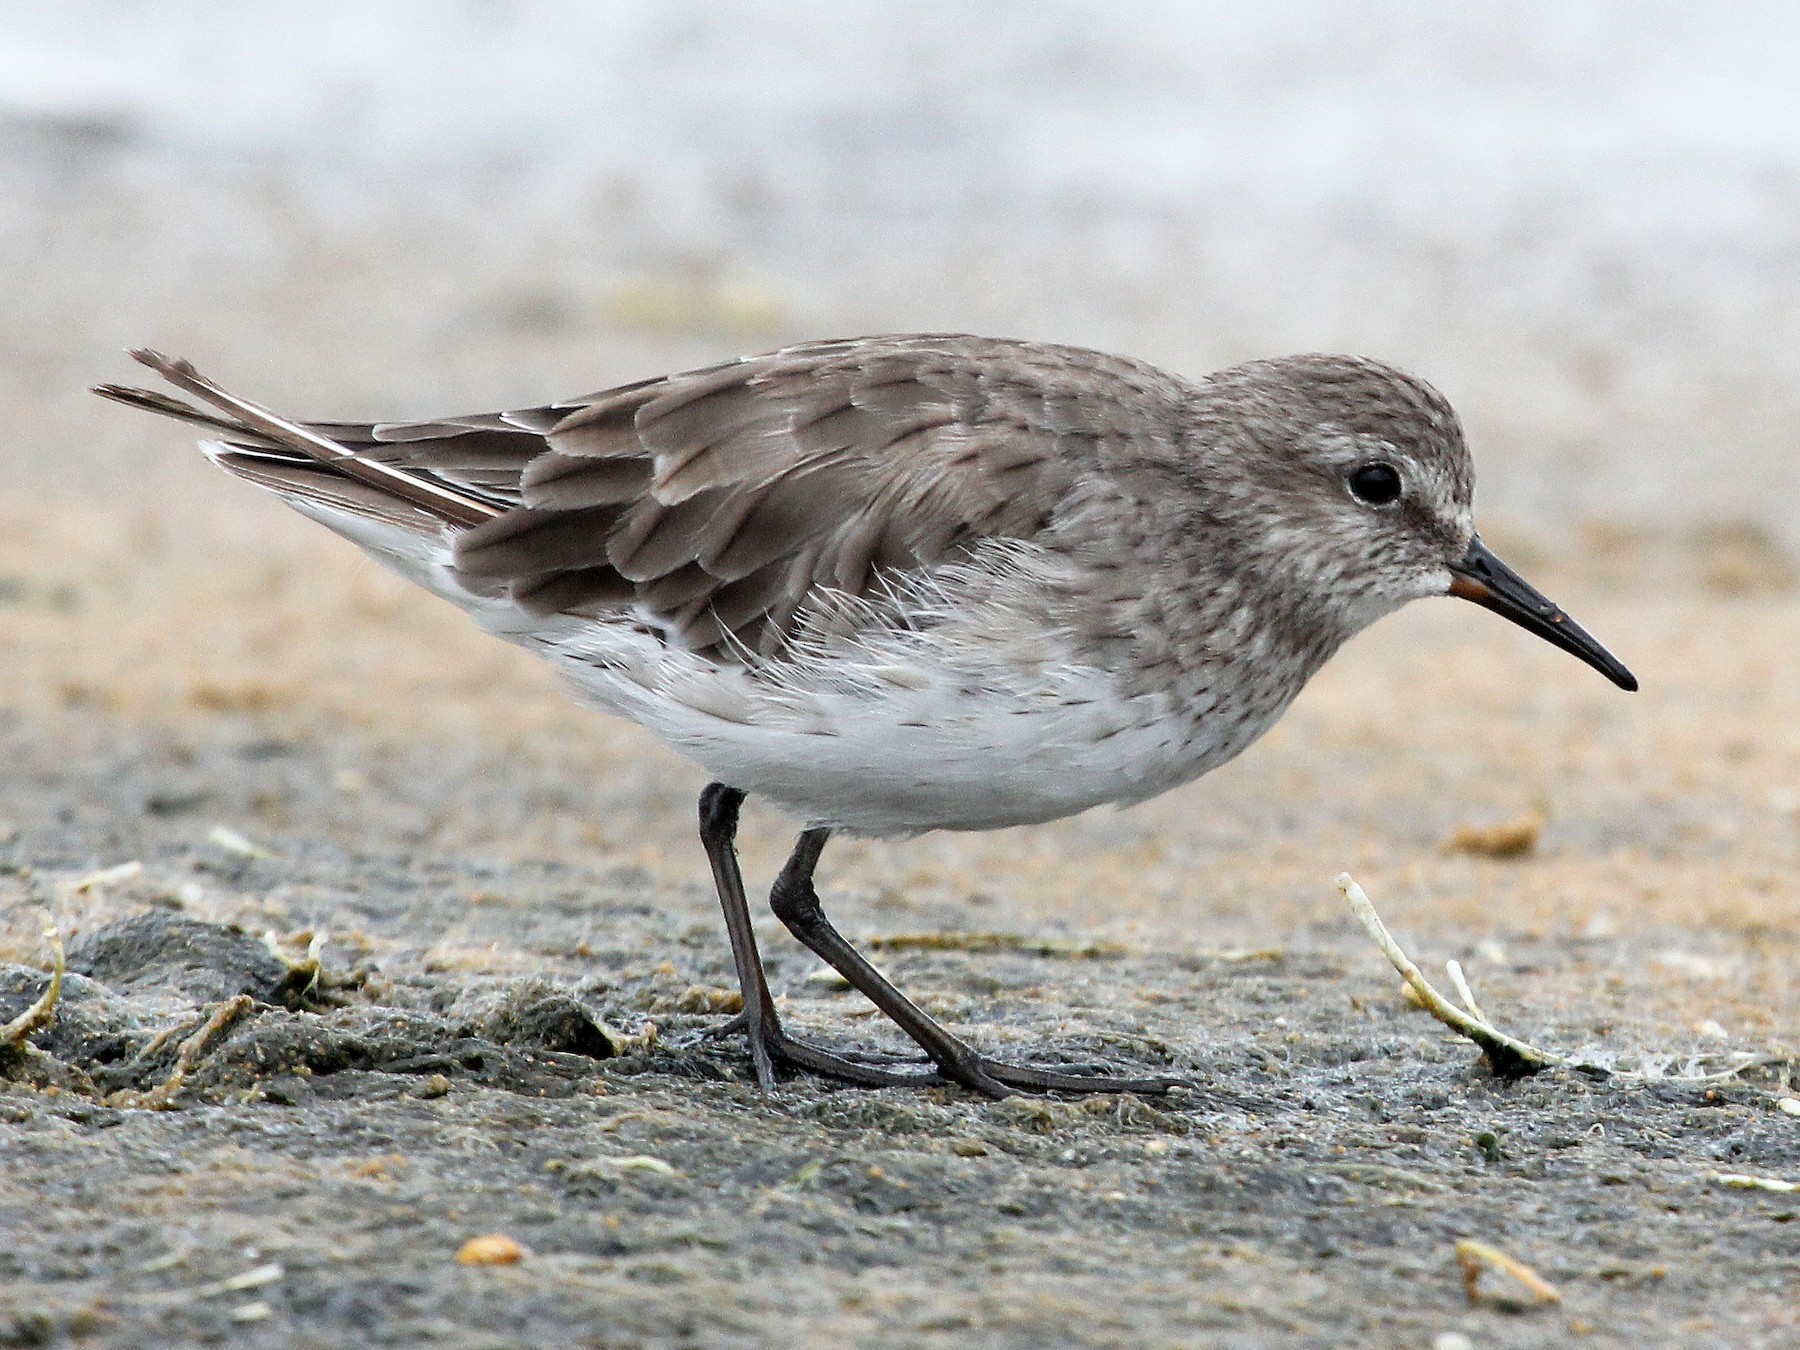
[716, 504]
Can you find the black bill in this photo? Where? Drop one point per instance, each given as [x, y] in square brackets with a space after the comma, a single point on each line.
[1483, 578]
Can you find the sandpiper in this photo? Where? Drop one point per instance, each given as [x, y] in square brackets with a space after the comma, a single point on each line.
[921, 582]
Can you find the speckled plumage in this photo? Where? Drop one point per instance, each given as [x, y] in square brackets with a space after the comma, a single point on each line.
[919, 582]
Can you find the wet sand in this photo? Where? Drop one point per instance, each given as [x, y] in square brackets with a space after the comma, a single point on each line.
[501, 875]
[217, 723]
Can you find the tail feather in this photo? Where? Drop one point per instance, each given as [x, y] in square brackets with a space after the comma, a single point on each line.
[149, 400]
[309, 486]
[297, 458]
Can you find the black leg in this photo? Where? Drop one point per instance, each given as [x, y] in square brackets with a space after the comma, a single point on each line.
[718, 832]
[719, 807]
[796, 903]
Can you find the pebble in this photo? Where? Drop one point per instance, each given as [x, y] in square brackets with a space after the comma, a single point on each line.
[493, 1249]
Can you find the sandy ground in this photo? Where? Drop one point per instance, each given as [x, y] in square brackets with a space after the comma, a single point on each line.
[218, 723]
[501, 874]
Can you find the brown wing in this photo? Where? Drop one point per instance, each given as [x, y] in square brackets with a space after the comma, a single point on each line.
[720, 500]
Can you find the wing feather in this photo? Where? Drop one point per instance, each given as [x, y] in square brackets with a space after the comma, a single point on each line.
[720, 503]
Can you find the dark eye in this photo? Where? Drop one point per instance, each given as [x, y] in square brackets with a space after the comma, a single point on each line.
[1377, 483]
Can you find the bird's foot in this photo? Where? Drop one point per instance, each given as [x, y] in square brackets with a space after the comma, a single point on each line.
[964, 1067]
[739, 1024]
[1075, 1078]
[997, 1078]
[862, 1067]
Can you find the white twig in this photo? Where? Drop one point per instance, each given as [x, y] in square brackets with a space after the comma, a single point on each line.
[162, 1097]
[1466, 994]
[43, 1010]
[1749, 1183]
[1475, 1257]
[1507, 1055]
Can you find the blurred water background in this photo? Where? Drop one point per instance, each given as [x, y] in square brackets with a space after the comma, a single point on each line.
[1582, 220]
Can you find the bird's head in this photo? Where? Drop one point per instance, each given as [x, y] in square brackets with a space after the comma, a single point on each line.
[1351, 484]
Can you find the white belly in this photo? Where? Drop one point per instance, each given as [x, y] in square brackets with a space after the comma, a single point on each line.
[916, 733]
[982, 718]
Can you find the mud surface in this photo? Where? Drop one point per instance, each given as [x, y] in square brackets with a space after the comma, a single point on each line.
[503, 1028]
[378, 944]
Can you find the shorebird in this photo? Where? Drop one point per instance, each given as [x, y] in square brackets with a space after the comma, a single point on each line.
[921, 582]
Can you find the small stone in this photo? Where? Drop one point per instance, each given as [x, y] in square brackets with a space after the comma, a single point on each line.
[1514, 839]
[233, 842]
[1600, 927]
[638, 1162]
[968, 1148]
[1744, 1182]
[1452, 1340]
[493, 1249]
[435, 1086]
[704, 998]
